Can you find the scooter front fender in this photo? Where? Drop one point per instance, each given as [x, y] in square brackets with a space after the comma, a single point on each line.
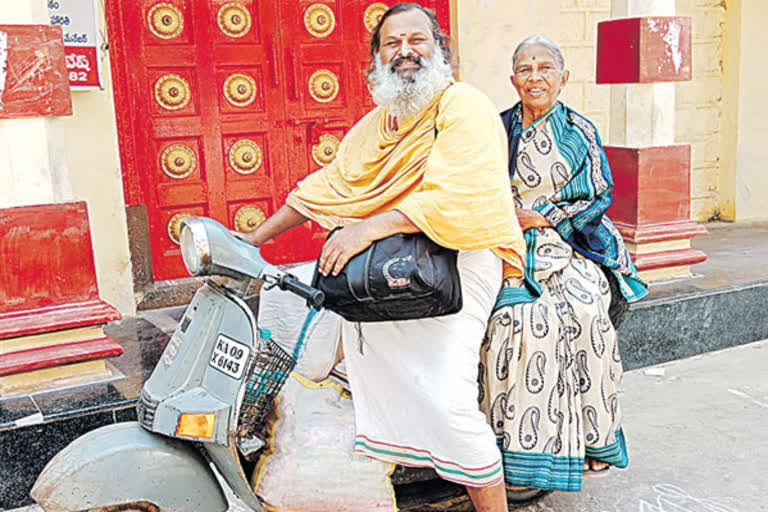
[124, 463]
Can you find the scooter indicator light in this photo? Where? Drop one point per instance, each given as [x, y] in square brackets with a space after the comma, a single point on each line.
[196, 425]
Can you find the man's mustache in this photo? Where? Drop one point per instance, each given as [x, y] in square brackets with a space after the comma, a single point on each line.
[399, 60]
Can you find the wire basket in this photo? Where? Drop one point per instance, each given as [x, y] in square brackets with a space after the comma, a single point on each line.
[269, 371]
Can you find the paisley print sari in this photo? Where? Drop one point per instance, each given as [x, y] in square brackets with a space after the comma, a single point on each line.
[550, 365]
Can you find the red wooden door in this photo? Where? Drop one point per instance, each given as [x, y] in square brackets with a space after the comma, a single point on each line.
[208, 142]
[323, 93]
[224, 105]
[255, 132]
[326, 54]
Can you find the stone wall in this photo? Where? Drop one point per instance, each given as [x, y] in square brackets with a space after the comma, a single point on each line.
[578, 40]
[699, 102]
[700, 105]
[486, 33]
[743, 179]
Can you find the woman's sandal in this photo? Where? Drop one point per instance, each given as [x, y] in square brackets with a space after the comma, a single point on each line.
[596, 473]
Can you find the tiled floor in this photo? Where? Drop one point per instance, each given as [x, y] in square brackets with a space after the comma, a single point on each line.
[736, 255]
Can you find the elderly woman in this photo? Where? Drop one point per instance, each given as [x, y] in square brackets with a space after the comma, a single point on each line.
[550, 367]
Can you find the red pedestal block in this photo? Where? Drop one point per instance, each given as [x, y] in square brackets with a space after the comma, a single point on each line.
[651, 203]
[48, 283]
[33, 74]
[644, 50]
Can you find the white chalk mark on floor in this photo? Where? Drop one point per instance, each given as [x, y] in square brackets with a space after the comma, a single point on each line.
[751, 399]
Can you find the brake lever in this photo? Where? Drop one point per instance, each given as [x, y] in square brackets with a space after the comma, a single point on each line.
[270, 282]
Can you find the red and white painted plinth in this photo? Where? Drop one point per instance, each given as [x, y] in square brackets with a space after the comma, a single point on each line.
[651, 208]
[642, 57]
[51, 316]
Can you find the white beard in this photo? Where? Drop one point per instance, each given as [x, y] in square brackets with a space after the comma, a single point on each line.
[403, 97]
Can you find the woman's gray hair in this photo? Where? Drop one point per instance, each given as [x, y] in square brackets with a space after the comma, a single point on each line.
[544, 41]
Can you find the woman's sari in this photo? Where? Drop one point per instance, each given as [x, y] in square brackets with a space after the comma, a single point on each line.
[550, 367]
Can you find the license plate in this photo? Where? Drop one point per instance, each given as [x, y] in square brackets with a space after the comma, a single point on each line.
[229, 357]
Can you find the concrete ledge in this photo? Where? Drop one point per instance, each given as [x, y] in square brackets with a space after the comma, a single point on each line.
[664, 329]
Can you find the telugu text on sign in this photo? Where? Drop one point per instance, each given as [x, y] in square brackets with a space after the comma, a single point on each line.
[79, 22]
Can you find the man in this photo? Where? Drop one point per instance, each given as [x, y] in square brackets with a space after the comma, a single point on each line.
[432, 158]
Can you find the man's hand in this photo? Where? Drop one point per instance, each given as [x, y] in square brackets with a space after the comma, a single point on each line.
[345, 243]
[284, 219]
[356, 238]
[531, 219]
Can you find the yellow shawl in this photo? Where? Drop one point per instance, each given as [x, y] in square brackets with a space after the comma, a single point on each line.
[455, 187]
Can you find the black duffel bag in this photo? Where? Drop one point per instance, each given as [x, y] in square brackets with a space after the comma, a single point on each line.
[401, 277]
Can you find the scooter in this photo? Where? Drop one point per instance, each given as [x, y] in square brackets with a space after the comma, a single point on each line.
[205, 404]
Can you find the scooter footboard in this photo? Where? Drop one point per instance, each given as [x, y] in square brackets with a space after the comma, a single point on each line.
[123, 463]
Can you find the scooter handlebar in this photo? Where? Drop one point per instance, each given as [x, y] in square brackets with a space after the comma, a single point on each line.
[315, 297]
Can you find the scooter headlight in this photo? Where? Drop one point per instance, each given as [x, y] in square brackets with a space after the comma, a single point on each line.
[195, 248]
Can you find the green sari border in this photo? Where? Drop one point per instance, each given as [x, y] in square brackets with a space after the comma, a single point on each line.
[556, 473]
[614, 454]
[531, 289]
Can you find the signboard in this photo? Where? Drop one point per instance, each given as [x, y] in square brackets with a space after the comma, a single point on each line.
[79, 21]
[33, 77]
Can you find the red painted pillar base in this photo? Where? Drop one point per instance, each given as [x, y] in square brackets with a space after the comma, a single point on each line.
[651, 201]
[644, 50]
[50, 311]
[651, 208]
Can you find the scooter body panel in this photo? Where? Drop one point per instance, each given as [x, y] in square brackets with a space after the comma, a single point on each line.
[203, 370]
[123, 463]
[203, 367]
[233, 473]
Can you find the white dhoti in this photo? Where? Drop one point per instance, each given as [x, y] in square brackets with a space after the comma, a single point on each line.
[414, 384]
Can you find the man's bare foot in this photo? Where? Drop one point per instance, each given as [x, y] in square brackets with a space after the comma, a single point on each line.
[594, 467]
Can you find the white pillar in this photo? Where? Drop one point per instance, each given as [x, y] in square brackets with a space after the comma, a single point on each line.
[642, 115]
[654, 171]
[633, 8]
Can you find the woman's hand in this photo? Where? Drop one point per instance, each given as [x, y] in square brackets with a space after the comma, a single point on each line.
[531, 219]
[345, 243]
